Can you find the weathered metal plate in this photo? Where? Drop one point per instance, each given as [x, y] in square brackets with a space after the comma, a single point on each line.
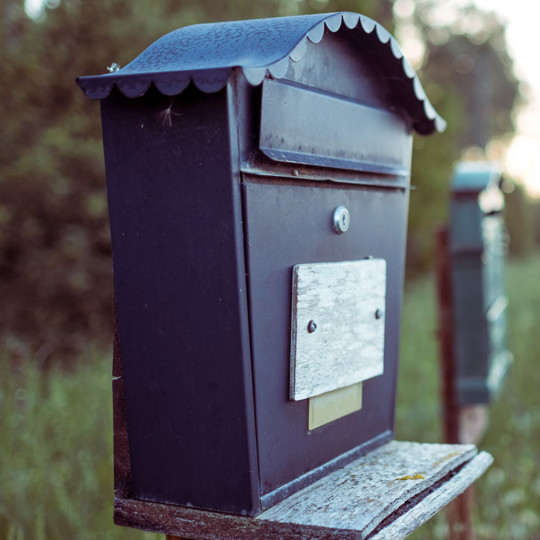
[337, 330]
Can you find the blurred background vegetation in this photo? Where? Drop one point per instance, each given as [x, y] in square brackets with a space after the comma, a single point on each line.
[55, 255]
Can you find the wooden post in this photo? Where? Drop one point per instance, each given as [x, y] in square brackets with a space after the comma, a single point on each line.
[450, 412]
[459, 521]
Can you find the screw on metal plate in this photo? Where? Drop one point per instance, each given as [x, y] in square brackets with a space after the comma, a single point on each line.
[311, 327]
[342, 220]
[378, 313]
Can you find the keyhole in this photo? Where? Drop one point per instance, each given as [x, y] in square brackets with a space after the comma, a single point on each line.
[342, 220]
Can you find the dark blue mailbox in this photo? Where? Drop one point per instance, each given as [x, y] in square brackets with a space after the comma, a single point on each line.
[478, 249]
[258, 183]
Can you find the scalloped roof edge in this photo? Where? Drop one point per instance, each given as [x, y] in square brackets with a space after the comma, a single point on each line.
[206, 54]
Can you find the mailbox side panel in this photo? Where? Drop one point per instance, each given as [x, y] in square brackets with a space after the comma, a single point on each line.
[175, 212]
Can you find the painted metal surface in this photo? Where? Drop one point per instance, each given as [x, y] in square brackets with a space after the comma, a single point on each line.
[288, 224]
[206, 54]
[343, 299]
[329, 131]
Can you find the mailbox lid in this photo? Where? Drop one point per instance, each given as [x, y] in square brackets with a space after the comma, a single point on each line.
[181, 301]
[303, 125]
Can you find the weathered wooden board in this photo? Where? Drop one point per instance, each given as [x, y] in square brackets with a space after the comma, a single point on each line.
[385, 494]
[411, 518]
[337, 327]
[363, 493]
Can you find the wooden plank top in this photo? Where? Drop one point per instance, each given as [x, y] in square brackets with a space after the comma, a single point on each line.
[388, 493]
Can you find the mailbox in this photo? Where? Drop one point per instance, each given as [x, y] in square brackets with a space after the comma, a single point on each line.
[478, 247]
[258, 183]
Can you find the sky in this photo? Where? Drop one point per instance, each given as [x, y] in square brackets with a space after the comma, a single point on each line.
[523, 156]
[519, 158]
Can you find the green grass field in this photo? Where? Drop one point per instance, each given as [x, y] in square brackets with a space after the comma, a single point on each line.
[508, 495]
[56, 450]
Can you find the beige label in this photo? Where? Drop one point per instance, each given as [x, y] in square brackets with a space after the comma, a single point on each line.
[328, 407]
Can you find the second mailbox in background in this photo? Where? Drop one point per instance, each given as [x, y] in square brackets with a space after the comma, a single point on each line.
[478, 251]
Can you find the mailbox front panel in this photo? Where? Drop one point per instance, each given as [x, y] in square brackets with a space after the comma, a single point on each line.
[289, 224]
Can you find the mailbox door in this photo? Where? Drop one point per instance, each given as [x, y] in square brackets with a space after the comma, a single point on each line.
[290, 223]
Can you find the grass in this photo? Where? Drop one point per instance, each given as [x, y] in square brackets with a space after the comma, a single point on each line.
[56, 449]
[508, 495]
[56, 453]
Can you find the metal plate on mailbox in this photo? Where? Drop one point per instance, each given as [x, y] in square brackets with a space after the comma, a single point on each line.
[337, 331]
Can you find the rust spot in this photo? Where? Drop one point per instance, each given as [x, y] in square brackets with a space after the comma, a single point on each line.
[418, 476]
[439, 462]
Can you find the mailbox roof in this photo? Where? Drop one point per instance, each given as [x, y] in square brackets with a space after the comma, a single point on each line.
[475, 176]
[205, 54]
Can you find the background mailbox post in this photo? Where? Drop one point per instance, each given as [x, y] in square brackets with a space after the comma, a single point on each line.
[478, 248]
[258, 182]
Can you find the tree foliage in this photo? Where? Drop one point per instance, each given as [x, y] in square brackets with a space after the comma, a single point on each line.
[468, 76]
[55, 259]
